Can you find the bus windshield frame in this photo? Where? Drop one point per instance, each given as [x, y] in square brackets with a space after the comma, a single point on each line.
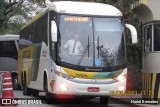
[108, 49]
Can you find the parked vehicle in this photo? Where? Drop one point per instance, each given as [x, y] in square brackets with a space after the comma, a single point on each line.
[9, 45]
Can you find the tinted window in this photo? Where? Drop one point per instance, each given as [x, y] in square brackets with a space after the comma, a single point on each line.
[41, 30]
[35, 33]
[26, 36]
[157, 37]
[8, 49]
[90, 41]
[148, 38]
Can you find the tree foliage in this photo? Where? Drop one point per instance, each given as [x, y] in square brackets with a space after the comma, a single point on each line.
[8, 9]
[13, 13]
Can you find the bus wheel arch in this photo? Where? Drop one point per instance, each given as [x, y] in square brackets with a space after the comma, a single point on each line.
[45, 80]
[45, 87]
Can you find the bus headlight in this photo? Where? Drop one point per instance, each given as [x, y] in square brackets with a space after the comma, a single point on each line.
[63, 75]
[121, 76]
[63, 87]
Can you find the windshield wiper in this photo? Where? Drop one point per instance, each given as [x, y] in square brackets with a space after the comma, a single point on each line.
[88, 46]
[105, 55]
[101, 51]
[85, 51]
[98, 48]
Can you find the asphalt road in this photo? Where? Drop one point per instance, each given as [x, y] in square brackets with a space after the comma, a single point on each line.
[81, 103]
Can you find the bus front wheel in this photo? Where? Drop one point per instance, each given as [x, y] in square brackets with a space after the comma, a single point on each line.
[48, 95]
[35, 92]
[15, 82]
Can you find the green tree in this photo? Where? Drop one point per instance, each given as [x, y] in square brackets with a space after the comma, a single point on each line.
[9, 9]
[2, 8]
[13, 13]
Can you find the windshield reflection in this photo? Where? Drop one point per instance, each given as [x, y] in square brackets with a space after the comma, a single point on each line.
[111, 48]
[79, 43]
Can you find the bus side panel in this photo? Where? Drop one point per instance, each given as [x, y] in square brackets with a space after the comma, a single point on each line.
[20, 67]
[25, 59]
[44, 61]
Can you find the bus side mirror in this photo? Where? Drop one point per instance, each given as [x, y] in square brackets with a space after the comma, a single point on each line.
[133, 33]
[54, 31]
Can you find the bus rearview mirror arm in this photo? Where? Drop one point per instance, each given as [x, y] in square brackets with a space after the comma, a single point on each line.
[133, 33]
[54, 31]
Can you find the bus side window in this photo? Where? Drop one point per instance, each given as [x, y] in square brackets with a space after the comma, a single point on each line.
[148, 38]
[40, 33]
[157, 37]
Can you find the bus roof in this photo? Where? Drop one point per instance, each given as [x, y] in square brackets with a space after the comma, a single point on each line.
[81, 8]
[9, 37]
[85, 8]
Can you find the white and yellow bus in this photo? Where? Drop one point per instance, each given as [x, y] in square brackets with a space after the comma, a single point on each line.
[100, 69]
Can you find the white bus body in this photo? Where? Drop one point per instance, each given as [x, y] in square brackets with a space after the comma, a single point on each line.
[99, 71]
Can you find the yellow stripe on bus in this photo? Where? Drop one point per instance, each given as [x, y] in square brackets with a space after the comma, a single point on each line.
[150, 87]
[79, 74]
[147, 89]
[153, 82]
[147, 85]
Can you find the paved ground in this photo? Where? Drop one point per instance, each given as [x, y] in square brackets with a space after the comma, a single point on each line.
[81, 103]
[136, 100]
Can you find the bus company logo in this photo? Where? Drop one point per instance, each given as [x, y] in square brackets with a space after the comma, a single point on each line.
[20, 101]
[93, 69]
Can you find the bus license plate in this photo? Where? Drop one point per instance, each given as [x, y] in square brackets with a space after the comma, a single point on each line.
[93, 89]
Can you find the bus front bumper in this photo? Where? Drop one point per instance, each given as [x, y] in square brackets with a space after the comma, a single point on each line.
[66, 87]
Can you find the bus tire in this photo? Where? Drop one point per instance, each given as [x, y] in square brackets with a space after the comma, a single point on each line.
[26, 91]
[104, 100]
[48, 95]
[21, 81]
[15, 81]
[35, 93]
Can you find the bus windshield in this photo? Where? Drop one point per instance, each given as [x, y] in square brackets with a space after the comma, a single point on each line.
[8, 49]
[8, 56]
[91, 41]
